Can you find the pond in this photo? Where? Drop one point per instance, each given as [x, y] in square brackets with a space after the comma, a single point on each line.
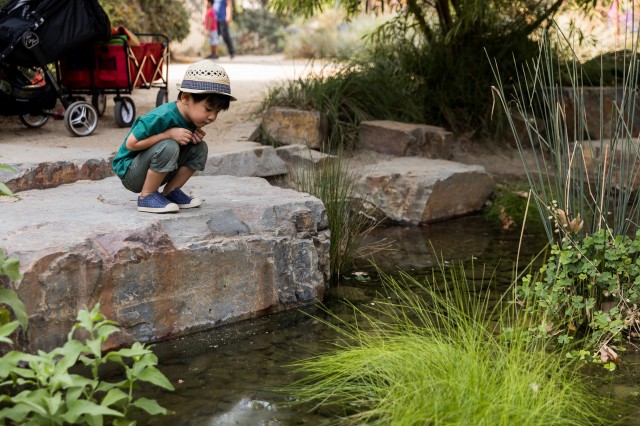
[232, 375]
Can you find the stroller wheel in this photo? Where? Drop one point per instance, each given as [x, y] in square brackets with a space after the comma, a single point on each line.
[99, 100]
[124, 111]
[81, 118]
[34, 120]
[162, 97]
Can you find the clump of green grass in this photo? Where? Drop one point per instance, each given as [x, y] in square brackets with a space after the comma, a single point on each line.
[352, 92]
[334, 183]
[425, 357]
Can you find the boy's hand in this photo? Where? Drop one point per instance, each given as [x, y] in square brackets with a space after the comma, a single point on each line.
[180, 135]
[198, 135]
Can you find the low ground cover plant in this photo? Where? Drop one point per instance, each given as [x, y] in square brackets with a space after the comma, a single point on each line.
[67, 385]
[588, 287]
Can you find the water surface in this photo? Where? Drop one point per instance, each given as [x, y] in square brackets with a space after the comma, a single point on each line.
[232, 375]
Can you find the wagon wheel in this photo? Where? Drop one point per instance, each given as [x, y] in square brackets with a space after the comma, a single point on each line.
[162, 97]
[99, 100]
[34, 120]
[81, 118]
[124, 111]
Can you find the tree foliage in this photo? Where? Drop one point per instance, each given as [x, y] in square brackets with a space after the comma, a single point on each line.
[446, 46]
[167, 17]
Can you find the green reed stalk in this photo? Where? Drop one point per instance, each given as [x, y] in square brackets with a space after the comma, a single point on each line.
[333, 182]
[420, 356]
[586, 175]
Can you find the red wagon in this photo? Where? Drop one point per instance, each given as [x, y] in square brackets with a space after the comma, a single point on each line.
[117, 67]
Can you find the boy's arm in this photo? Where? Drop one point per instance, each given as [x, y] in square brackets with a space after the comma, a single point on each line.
[178, 134]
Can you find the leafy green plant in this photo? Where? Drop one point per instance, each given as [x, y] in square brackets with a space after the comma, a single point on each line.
[42, 389]
[4, 189]
[591, 284]
[587, 202]
[418, 356]
[167, 17]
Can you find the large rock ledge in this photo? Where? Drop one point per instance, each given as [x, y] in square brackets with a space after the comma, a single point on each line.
[251, 249]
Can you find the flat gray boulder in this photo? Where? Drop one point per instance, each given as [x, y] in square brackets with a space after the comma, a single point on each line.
[41, 167]
[406, 139]
[250, 159]
[249, 250]
[300, 157]
[415, 190]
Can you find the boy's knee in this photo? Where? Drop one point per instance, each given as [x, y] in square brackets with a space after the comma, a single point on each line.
[168, 148]
[165, 152]
[201, 150]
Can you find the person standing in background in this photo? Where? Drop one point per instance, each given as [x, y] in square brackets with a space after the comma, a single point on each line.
[211, 27]
[223, 9]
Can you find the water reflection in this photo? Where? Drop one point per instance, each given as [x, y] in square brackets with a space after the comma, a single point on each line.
[231, 375]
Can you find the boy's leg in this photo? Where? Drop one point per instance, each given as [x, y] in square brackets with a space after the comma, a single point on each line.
[152, 183]
[213, 41]
[193, 158]
[153, 163]
[178, 179]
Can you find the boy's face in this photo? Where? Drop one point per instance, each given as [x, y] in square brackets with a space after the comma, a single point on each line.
[199, 113]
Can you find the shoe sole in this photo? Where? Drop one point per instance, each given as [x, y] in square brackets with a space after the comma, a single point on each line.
[159, 209]
[190, 206]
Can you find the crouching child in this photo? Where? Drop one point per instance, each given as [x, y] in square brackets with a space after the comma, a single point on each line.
[166, 146]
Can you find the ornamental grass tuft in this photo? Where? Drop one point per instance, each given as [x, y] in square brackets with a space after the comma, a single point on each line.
[419, 356]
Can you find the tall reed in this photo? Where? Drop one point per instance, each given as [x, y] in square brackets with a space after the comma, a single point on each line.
[420, 356]
[574, 175]
[584, 178]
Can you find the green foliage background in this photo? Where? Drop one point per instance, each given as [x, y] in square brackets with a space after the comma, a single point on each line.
[167, 17]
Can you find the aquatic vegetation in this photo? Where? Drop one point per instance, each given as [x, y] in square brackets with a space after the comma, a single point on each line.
[586, 193]
[421, 356]
[333, 182]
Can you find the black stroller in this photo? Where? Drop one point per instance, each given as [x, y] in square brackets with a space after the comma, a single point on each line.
[34, 36]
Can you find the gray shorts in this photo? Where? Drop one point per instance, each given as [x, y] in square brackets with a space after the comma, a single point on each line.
[164, 157]
[213, 38]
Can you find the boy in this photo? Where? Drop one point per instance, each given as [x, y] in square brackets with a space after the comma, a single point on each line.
[166, 147]
[211, 27]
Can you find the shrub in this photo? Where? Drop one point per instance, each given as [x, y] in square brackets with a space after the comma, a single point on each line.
[259, 31]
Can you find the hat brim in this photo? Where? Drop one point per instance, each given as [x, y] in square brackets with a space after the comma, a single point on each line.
[204, 91]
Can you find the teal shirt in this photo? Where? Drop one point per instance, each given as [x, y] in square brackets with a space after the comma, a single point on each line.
[156, 121]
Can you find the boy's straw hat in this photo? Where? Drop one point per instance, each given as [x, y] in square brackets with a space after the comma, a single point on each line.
[206, 77]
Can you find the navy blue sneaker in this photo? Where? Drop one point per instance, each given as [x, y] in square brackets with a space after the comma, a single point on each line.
[156, 203]
[182, 199]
